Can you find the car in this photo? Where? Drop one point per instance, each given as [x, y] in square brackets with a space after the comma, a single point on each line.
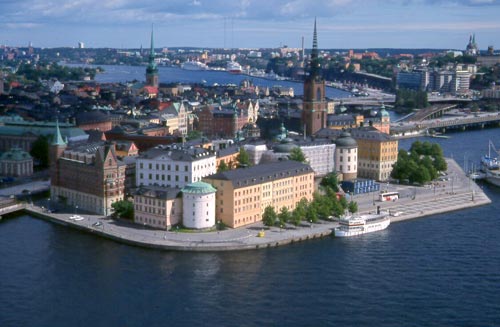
[76, 218]
[97, 223]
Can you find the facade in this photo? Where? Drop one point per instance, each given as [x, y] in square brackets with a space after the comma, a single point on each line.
[16, 163]
[243, 194]
[157, 207]
[174, 166]
[89, 176]
[346, 156]
[198, 203]
[217, 121]
[377, 153]
[175, 118]
[314, 108]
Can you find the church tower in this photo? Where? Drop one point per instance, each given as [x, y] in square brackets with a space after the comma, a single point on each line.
[56, 150]
[314, 108]
[152, 70]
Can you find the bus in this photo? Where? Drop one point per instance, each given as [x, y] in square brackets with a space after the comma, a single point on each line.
[388, 196]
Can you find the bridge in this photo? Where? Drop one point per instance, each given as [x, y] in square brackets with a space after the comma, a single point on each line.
[430, 113]
[462, 122]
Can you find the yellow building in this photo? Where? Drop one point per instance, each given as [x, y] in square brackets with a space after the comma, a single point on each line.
[377, 152]
[243, 194]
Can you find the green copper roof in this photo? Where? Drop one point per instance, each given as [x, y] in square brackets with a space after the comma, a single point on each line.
[152, 65]
[15, 154]
[58, 140]
[314, 54]
[198, 188]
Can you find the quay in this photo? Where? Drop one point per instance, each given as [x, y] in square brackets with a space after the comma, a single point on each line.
[457, 193]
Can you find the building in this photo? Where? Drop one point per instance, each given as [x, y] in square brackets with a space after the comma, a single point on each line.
[175, 118]
[243, 194]
[218, 121]
[174, 166]
[413, 80]
[377, 153]
[314, 107]
[88, 176]
[472, 49]
[152, 70]
[346, 156]
[198, 203]
[16, 163]
[158, 207]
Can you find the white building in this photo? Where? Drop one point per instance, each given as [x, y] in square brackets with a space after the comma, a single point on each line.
[174, 166]
[346, 156]
[198, 203]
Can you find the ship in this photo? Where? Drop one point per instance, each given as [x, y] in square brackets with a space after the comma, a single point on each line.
[234, 67]
[490, 166]
[194, 65]
[362, 224]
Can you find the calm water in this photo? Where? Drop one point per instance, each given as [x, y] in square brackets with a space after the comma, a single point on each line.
[115, 73]
[438, 271]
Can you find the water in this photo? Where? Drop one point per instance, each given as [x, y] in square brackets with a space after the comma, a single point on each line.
[116, 73]
[437, 271]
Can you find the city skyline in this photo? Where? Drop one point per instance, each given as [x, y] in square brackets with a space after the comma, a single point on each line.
[342, 24]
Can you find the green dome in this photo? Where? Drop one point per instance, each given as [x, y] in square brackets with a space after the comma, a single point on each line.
[198, 188]
[383, 112]
[346, 141]
[285, 146]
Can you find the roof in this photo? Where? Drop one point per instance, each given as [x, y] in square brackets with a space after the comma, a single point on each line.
[345, 140]
[198, 188]
[15, 154]
[268, 172]
[177, 153]
[158, 192]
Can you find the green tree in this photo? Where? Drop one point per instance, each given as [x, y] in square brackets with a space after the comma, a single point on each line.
[123, 209]
[222, 167]
[330, 181]
[269, 216]
[353, 207]
[297, 155]
[243, 158]
[40, 151]
[440, 164]
[284, 216]
[312, 214]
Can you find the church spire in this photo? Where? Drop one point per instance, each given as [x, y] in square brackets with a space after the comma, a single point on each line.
[314, 72]
[152, 64]
[58, 140]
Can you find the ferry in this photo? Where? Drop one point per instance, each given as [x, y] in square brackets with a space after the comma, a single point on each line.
[362, 224]
[234, 67]
[491, 166]
[194, 65]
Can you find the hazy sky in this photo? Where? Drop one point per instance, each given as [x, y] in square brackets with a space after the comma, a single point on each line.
[251, 23]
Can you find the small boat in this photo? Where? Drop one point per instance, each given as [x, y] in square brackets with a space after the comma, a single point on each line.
[362, 224]
[234, 67]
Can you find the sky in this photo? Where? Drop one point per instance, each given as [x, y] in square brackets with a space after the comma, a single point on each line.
[342, 24]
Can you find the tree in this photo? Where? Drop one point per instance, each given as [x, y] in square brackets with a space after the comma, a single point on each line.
[40, 151]
[243, 158]
[269, 216]
[284, 216]
[300, 211]
[297, 155]
[222, 167]
[123, 209]
[353, 207]
[330, 181]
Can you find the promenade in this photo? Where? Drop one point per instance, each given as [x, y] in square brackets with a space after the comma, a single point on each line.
[457, 193]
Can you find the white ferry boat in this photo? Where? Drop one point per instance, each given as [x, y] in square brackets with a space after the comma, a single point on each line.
[491, 166]
[362, 224]
[234, 67]
[194, 65]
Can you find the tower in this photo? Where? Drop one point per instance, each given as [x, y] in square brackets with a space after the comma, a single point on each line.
[314, 108]
[152, 70]
[56, 150]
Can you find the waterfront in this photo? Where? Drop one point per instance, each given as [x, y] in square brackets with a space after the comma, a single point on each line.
[441, 270]
[122, 74]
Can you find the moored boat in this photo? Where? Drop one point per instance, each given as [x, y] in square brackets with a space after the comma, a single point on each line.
[194, 65]
[491, 166]
[362, 224]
